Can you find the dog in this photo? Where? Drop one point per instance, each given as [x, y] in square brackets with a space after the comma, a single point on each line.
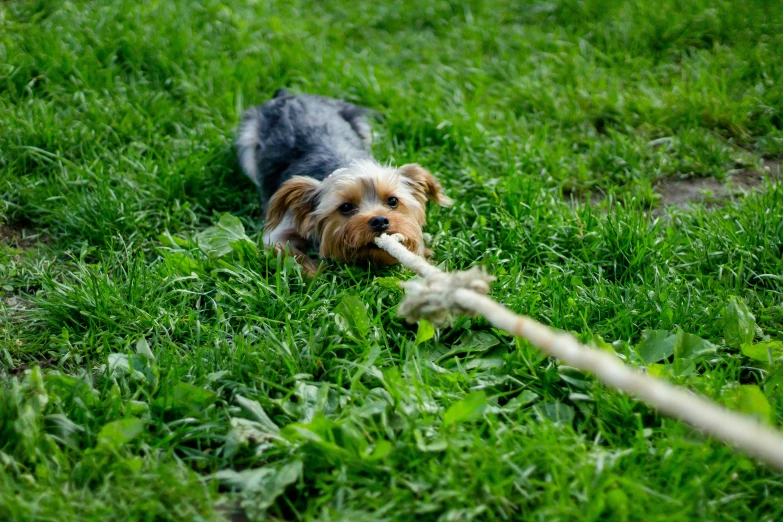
[320, 187]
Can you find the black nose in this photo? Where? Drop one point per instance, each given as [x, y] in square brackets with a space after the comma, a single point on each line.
[379, 223]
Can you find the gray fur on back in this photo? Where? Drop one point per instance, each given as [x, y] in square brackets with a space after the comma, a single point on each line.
[300, 135]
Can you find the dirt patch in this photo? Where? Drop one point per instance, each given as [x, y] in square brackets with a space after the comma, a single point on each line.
[12, 306]
[19, 237]
[44, 363]
[681, 192]
[13, 303]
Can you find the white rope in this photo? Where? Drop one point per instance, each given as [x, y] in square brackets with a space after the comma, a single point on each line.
[439, 294]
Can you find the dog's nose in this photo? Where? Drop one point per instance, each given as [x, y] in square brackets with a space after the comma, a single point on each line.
[379, 223]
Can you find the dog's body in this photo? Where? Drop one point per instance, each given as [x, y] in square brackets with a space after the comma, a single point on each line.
[300, 135]
[310, 158]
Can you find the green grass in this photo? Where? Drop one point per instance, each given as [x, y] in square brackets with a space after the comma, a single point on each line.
[252, 389]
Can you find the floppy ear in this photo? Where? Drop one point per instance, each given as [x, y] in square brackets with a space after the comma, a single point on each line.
[424, 184]
[295, 197]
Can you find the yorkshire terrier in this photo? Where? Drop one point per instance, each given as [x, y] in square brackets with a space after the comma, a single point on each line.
[320, 187]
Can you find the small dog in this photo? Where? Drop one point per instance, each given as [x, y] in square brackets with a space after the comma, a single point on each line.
[310, 158]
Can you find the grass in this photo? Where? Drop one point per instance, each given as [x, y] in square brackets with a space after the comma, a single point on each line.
[146, 379]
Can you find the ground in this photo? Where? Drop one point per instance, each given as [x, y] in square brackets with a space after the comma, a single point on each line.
[608, 165]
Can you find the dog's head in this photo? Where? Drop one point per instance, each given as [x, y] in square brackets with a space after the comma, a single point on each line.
[344, 213]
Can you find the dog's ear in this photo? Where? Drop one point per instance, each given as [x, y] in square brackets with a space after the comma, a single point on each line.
[425, 186]
[295, 197]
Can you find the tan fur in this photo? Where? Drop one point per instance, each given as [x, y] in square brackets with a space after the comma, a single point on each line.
[312, 208]
[350, 239]
[415, 211]
[308, 265]
[386, 187]
[297, 197]
[426, 186]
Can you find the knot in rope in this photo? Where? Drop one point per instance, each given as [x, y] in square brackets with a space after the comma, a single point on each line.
[437, 295]
[432, 297]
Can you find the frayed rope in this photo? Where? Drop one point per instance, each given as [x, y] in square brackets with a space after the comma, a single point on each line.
[433, 298]
[437, 295]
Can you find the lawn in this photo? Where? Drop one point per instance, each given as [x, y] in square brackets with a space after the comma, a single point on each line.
[153, 370]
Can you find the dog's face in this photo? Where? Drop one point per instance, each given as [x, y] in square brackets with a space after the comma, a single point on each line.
[344, 213]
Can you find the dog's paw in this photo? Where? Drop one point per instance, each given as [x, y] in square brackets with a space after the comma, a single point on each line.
[310, 267]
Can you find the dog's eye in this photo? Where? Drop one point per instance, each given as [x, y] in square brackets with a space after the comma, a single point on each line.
[346, 208]
[392, 202]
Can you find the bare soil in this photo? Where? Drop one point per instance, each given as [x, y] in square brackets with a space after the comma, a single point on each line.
[19, 237]
[681, 192]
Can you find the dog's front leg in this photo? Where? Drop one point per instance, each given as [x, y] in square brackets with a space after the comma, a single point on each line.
[309, 266]
[288, 243]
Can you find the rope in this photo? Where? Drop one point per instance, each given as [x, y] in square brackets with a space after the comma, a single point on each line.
[438, 295]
